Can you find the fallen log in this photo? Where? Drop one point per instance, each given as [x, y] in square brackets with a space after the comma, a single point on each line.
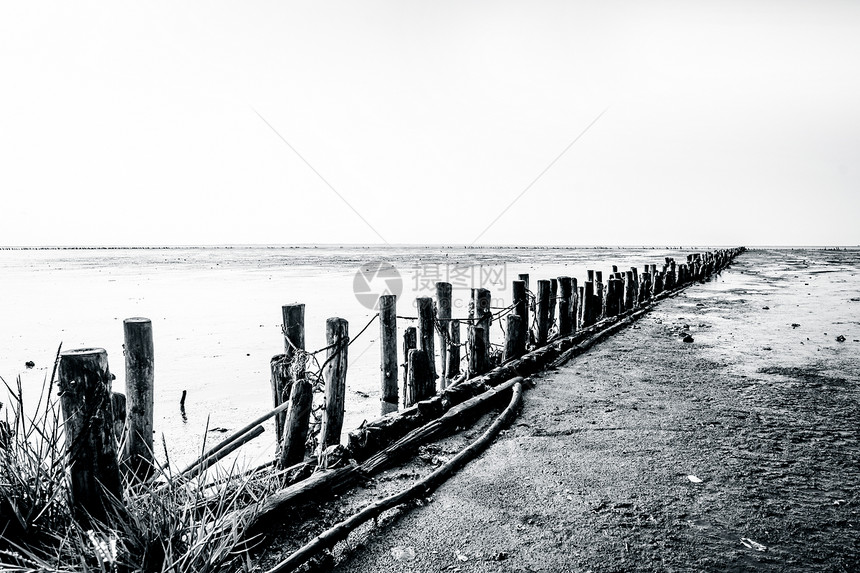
[330, 482]
[341, 530]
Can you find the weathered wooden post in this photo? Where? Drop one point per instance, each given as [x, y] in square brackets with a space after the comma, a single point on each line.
[565, 287]
[293, 442]
[525, 278]
[589, 300]
[514, 337]
[628, 290]
[600, 307]
[553, 300]
[284, 368]
[574, 305]
[410, 342]
[388, 352]
[426, 331]
[542, 312]
[139, 385]
[481, 299]
[635, 286]
[443, 320]
[479, 356]
[334, 372]
[613, 297]
[521, 307]
[580, 307]
[85, 397]
[453, 367]
[118, 405]
[420, 384]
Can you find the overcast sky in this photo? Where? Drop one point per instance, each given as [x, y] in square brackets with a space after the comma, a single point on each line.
[421, 122]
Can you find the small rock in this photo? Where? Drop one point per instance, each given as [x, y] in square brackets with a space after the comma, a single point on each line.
[403, 553]
[688, 338]
[30, 364]
[794, 325]
[840, 338]
[765, 308]
[500, 556]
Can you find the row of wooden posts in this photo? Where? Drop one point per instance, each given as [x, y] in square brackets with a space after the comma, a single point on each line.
[560, 306]
[95, 416]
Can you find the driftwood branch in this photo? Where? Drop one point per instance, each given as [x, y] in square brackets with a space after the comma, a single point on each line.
[421, 488]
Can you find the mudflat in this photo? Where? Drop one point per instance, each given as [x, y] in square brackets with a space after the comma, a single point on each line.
[738, 451]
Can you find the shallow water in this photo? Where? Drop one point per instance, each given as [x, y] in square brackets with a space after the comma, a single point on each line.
[216, 314]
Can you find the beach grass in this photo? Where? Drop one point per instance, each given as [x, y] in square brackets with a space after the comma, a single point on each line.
[167, 523]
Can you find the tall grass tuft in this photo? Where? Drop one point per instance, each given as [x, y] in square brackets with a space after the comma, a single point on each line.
[166, 524]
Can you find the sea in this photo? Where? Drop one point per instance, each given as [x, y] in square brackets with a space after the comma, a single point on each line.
[216, 316]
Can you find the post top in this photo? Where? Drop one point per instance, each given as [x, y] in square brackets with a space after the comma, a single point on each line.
[83, 352]
[136, 319]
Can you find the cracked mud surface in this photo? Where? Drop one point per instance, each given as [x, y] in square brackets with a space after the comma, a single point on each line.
[739, 451]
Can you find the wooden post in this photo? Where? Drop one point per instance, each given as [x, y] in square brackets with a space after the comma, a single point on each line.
[628, 290]
[139, 385]
[613, 297]
[334, 372]
[553, 300]
[580, 307]
[85, 396]
[410, 342]
[565, 286]
[521, 308]
[644, 287]
[419, 383]
[589, 310]
[479, 362]
[426, 332]
[453, 366]
[283, 371]
[574, 305]
[514, 338]
[388, 352]
[542, 312]
[119, 406]
[482, 313]
[635, 286]
[295, 436]
[599, 293]
[443, 320]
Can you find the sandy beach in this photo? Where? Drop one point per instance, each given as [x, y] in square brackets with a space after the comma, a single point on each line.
[738, 451]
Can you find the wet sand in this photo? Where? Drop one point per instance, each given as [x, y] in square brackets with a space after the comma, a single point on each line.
[739, 451]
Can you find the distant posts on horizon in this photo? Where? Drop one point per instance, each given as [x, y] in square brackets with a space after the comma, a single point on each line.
[139, 388]
[84, 382]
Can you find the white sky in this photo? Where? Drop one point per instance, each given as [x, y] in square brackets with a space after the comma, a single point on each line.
[135, 123]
